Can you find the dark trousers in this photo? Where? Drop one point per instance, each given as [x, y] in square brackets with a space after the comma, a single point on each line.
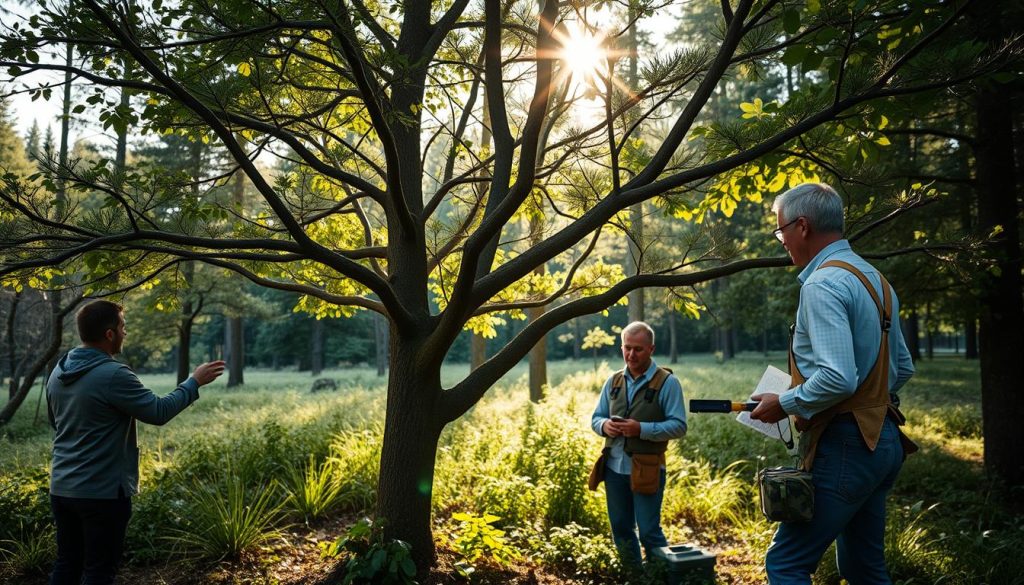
[90, 539]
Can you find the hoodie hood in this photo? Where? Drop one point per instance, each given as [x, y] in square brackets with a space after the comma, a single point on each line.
[79, 361]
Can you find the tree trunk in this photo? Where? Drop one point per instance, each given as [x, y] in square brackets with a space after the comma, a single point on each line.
[929, 332]
[45, 356]
[912, 335]
[317, 352]
[477, 351]
[380, 334]
[411, 431]
[539, 352]
[185, 324]
[636, 212]
[234, 350]
[673, 341]
[577, 338]
[235, 326]
[538, 361]
[12, 354]
[971, 339]
[1001, 327]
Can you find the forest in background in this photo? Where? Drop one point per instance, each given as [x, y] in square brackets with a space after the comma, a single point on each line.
[455, 178]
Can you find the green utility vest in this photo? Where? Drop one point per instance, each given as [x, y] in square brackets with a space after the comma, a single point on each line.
[645, 408]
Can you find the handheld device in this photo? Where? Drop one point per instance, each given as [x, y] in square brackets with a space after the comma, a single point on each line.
[721, 406]
[617, 419]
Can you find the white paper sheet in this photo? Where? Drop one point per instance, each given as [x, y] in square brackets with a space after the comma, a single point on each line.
[773, 381]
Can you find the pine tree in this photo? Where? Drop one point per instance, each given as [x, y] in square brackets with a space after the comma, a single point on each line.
[32, 141]
[12, 149]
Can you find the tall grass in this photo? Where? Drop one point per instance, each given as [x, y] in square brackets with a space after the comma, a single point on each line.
[227, 518]
[223, 475]
[313, 490]
[29, 551]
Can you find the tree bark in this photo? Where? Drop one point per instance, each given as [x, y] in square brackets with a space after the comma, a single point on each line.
[1001, 323]
[235, 324]
[538, 361]
[477, 351]
[577, 338]
[411, 431]
[185, 321]
[12, 354]
[912, 335]
[539, 352]
[636, 212]
[673, 342]
[380, 335]
[929, 332]
[234, 350]
[971, 339]
[48, 353]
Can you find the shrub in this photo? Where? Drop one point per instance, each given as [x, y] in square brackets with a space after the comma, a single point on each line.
[227, 518]
[355, 456]
[475, 538]
[557, 457]
[704, 497]
[24, 502]
[30, 552]
[313, 489]
[579, 550]
[372, 558]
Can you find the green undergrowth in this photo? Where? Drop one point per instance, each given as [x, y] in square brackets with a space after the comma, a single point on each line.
[240, 467]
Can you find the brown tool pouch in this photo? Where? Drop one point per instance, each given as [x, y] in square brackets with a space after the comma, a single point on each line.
[645, 476]
[597, 472]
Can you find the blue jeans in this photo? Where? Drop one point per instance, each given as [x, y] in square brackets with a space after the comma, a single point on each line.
[628, 512]
[850, 486]
[90, 538]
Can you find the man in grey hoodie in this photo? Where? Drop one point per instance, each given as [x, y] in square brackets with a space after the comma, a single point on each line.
[93, 403]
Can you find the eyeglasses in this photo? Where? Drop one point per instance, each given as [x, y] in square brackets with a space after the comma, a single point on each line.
[777, 232]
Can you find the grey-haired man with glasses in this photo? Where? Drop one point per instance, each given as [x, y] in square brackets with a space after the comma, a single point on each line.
[847, 359]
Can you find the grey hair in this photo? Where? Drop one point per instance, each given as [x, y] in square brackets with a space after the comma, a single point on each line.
[637, 327]
[817, 202]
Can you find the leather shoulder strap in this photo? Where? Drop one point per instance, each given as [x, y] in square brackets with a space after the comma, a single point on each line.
[884, 306]
[660, 375]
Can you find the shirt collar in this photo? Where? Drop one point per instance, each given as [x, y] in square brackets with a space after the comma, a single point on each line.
[649, 374]
[820, 258]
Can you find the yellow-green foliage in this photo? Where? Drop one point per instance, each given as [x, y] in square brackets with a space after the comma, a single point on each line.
[527, 465]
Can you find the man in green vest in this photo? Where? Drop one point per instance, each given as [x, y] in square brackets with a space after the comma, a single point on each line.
[640, 410]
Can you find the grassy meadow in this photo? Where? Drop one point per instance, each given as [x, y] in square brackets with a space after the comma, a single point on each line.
[263, 484]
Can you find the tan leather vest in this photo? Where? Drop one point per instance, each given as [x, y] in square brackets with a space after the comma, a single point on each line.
[870, 403]
[645, 408]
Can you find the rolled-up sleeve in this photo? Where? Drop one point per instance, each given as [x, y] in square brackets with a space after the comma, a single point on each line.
[674, 425]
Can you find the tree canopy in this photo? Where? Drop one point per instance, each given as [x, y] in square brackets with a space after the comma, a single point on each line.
[424, 159]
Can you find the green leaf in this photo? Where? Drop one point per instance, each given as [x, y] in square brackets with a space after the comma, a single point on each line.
[408, 567]
[795, 55]
[791, 21]
[812, 61]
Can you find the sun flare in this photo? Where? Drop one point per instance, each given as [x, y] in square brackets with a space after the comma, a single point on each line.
[584, 55]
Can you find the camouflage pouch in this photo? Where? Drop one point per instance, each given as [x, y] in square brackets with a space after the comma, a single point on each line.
[787, 494]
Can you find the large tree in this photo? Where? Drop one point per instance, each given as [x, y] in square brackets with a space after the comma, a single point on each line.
[359, 97]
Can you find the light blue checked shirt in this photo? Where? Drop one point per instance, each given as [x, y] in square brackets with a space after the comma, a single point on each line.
[837, 334]
[673, 427]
